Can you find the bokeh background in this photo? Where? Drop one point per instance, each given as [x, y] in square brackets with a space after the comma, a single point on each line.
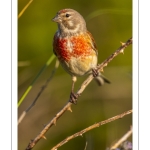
[110, 22]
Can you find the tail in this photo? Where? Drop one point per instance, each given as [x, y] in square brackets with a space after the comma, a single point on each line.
[101, 80]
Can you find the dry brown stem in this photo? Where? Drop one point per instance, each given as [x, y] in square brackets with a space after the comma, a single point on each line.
[38, 95]
[121, 140]
[80, 133]
[81, 89]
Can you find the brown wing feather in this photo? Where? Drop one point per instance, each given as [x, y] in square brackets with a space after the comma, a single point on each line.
[54, 43]
[93, 42]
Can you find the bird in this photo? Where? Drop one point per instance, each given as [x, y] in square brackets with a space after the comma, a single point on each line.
[75, 48]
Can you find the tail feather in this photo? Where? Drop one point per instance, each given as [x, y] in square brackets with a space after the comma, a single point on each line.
[101, 80]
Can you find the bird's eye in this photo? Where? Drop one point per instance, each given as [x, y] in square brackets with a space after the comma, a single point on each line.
[67, 15]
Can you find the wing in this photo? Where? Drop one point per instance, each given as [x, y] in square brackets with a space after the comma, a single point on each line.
[92, 42]
[55, 43]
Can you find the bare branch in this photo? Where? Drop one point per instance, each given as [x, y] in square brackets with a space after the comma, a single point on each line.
[81, 89]
[51, 123]
[85, 145]
[124, 138]
[80, 133]
[38, 95]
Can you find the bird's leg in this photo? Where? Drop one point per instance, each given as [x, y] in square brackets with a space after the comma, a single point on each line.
[73, 96]
[95, 72]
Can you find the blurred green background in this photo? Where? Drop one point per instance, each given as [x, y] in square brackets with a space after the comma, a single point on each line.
[110, 22]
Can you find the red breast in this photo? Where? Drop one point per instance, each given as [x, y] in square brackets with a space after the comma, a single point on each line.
[72, 46]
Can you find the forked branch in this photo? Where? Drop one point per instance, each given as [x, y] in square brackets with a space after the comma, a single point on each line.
[81, 89]
[80, 133]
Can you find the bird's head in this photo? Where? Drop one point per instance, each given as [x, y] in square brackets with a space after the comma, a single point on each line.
[70, 21]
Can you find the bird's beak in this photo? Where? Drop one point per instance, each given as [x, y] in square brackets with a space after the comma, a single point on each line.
[56, 19]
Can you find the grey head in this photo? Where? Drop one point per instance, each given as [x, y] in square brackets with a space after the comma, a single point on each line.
[69, 22]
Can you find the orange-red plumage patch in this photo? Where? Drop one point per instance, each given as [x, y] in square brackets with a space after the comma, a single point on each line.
[80, 46]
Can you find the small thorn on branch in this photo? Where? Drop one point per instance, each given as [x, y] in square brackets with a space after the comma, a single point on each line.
[54, 122]
[122, 51]
[122, 44]
[105, 64]
[69, 109]
[44, 137]
[102, 70]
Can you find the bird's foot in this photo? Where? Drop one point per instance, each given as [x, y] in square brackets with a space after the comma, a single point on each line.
[95, 72]
[73, 98]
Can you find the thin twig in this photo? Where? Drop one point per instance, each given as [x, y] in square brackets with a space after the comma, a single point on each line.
[85, 145]
[81, 89]
[124, 138]
[46, 128]
[23, 10]
[80, 133]
[35, 79]
[38, 95]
